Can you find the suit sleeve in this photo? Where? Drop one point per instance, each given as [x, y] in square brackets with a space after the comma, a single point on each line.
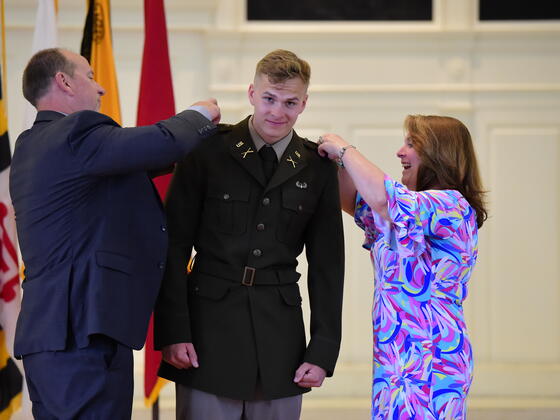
[104, 148]
[183, 205]
[325, 256]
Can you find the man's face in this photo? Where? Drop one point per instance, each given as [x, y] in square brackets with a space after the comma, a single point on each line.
[276, 106]
[87, 92]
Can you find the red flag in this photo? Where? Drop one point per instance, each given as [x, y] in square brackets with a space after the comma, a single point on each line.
[155, 103]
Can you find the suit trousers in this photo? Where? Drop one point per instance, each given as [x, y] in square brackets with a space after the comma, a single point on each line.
[94, 382]
[192, 404]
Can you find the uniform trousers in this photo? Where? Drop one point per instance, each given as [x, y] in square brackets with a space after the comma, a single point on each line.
[193, 404]
[88, 383]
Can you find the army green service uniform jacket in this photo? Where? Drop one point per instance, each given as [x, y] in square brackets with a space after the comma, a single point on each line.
[241, 305]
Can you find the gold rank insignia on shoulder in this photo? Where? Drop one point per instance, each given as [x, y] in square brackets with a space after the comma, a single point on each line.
[238, 145]
[298, 154]
[293, 162]
[301, 184]
[246, 152]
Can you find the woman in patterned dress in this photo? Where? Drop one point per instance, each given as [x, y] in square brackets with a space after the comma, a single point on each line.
[423, 241]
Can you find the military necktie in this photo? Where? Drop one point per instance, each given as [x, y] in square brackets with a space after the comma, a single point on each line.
[269, 161]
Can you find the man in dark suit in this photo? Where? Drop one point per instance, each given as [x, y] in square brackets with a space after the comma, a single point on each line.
[248, 200]
[93, 237]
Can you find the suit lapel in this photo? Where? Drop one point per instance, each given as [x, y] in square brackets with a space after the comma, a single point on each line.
[293, 160]
[243, 150]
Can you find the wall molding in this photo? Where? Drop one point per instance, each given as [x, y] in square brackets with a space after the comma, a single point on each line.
[410, 88]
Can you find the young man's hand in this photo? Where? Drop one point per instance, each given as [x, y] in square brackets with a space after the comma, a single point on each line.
[309, 375]
[180, 355]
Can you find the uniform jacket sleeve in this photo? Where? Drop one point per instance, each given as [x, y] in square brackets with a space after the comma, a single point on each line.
[325, 256]
[182, 206]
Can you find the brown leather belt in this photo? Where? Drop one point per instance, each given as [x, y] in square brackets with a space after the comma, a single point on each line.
[247, 276]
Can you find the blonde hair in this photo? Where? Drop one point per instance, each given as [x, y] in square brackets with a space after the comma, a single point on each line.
[282, 65]
[447, 158]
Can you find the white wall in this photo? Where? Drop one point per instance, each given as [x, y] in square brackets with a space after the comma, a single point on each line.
[502, 80]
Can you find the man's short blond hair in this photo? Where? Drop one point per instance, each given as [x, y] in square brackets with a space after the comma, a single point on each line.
[282, 65]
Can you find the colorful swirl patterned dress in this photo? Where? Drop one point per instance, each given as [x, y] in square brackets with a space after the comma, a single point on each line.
[422, 262]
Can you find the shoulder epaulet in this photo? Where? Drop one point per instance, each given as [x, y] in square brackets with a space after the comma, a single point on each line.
[310, 144]
[224, 128]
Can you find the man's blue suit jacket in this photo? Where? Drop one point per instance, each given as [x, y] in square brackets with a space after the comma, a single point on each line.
[90, 225]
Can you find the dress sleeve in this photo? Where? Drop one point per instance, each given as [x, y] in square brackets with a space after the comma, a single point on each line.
[417, 215]
[364, 218]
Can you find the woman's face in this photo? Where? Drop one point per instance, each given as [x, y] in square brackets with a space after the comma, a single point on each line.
[410, 162]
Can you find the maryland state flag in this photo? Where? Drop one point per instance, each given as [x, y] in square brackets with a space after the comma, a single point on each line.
[10, 376]
[11, 382]
[97, 48]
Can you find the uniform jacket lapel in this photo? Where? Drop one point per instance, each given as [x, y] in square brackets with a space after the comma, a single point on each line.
[293, 160]
[244, 151]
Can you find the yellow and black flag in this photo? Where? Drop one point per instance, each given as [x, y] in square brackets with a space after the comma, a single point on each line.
[97, 48]
[10, 376]
[11, 382]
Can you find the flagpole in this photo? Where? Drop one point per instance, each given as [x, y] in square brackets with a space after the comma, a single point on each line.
[155, 409]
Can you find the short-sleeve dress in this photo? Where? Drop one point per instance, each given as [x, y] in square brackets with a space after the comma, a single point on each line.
[422, 261]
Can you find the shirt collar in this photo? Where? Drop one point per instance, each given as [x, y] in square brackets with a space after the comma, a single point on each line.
[279, 147]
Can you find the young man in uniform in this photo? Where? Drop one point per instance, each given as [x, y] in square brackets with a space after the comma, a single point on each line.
[248, 201]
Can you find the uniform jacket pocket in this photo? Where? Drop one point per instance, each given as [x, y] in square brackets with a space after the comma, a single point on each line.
[228, 209]
[290, 294]
[209, 287]
[297, 208]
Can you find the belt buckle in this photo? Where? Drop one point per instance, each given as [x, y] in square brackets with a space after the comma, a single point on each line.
[248, 276]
